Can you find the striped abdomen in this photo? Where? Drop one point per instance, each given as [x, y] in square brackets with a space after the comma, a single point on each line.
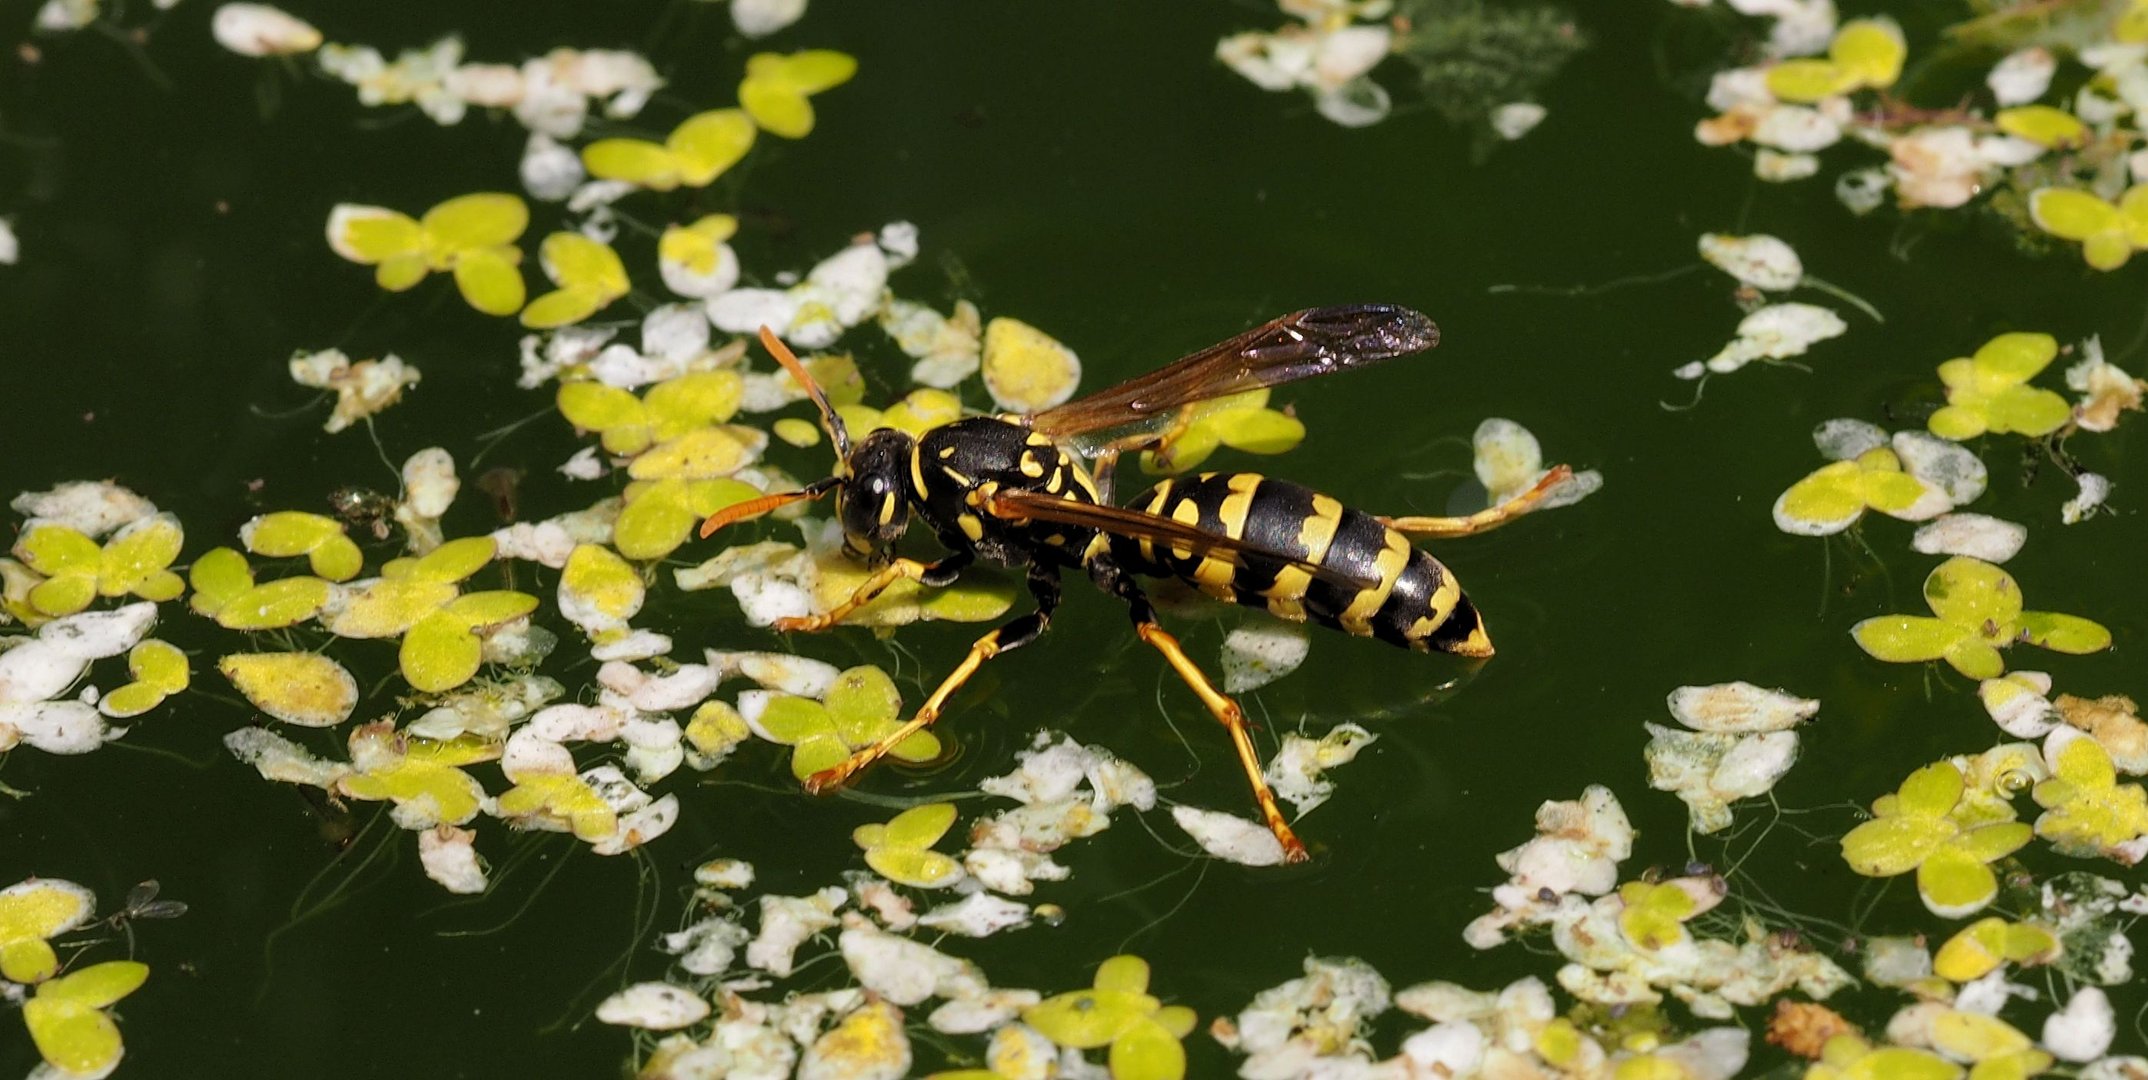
[1413, 602]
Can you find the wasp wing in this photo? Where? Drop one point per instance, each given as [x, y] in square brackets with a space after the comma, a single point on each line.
[1139, 525]
[1299, 345]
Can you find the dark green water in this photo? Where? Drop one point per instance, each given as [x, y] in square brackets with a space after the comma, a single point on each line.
[1090, 169]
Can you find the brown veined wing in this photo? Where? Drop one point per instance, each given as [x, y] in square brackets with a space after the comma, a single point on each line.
[1016, 505]
[1300, 345]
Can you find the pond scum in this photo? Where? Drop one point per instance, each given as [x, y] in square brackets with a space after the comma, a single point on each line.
[2008, 984]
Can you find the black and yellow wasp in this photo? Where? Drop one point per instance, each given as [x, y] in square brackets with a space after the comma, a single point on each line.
[1015, 490]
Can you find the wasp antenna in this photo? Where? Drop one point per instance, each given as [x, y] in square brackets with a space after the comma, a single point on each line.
[829, 421]
[753, 508]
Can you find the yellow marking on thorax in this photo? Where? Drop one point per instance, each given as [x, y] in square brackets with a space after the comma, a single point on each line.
[1393, 557]
[917, 468]
[971, 525]
[1030, 466]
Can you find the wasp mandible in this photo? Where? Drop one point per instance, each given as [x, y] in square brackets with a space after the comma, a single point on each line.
[1015, 490]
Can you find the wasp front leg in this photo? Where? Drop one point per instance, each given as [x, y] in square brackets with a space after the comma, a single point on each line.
[1483, 520]
[934, 574]
[1044, 585]
[1220, 705]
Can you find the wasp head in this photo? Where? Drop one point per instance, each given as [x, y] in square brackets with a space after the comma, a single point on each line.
[872, 499]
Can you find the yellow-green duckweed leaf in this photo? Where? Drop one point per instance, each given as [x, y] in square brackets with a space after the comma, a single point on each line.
[776, 88]
[306, 689]
[922, 410]
[701, 454]
[900, 850]
[805, 726]
[2108, 233]
[1979, 612]
[1989, 391]
[450, 562]
[218, 577]
[422, 777]
[2087, 812]
[471, 236]
[796, 432]
[598, 590]
[1982, 946]
[1871, 50]
[67, 1020]
[1655, 914]
[703, 147]
[77, 570]
[1809, 79]
[561, 797]
[280, 603]
[386, 608]
[1118, 1012]
[864, 705]
[1849, 1057]
[2043, 125]
[289, 533]
[697, 246]
[1914, 829]
[443, 650]
[588, 273]
[31, 913]
[1835, 496]
[134, 560]
[159, 669]
[1026, 369]
[70, 562]
[659, 515]
[670, 409]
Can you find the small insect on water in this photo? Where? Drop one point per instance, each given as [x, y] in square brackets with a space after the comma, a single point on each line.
[1017, 490]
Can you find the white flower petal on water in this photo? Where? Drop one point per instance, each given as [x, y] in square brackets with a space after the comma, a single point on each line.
[429, 488]
[1739, 708]
[1944, 463]
[903, 971]
[1517, 118]
[1012, 872]
[280, 759]
[787, 922]
[996, 1011]
[1297, 774]
[42, 667]
[261, 30]
[976, 915]
[1314, 1024]
[2083, 1030]
[550, 171]
[90, 507]
[632, 646]
[785, 672]
[639, 826]
[56, 727]
[363, 389]
[1453, 1048]
[1796, 129]
[1762, 261]
[707, 947]
[1777, 332]
[1260, 652]
[1710, 770]
[1229, 837]
[2022, 76]
[760, 18]
[449, 857]
[2017, 702]
[948, 349]
[684, 687]
[1843, 439]
[654, 1006]
[2094, 489]
[1975, 535]
[1358, 103]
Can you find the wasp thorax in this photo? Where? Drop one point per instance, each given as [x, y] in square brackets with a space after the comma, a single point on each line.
[873, 502]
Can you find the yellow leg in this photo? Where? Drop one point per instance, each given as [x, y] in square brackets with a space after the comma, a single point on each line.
[1482, 520]
[829, 779]
[1234, 721]
[898, 570]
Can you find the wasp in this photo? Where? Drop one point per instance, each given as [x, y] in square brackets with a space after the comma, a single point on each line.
[1018, 490]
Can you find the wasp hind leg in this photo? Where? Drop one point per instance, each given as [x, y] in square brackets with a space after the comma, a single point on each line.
[1044, 585]
[1221, 706]
[935, 574]
[1483, 520]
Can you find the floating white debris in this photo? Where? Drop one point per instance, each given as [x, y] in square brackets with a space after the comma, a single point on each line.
[1943, 463]
[2083, 1030]
[1297, 774]
[707, 947]
[654, 1006]
[1230, 837]
[760, 18]
[449, 856]
[1577, 849]
[1708, 771]
[1739, 708]
[362, 389]
[1975, 535]
[90, 507]
[1777, 167]
[550, 170]
[41, 668]
[976, 915]
[1762, 261]
[1259, 652]
[56, 727]
[786, 923]
[1775, 332]
[842, 291]
[1517, 118]
[867, 1044]
[903, 971]
[1315, 1024]
[2022, 76]
[261, 30]
[1845, 439]
[948, 349]
[429, 488]
[2106, 389]
[2095, 488]
[2017, 703]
